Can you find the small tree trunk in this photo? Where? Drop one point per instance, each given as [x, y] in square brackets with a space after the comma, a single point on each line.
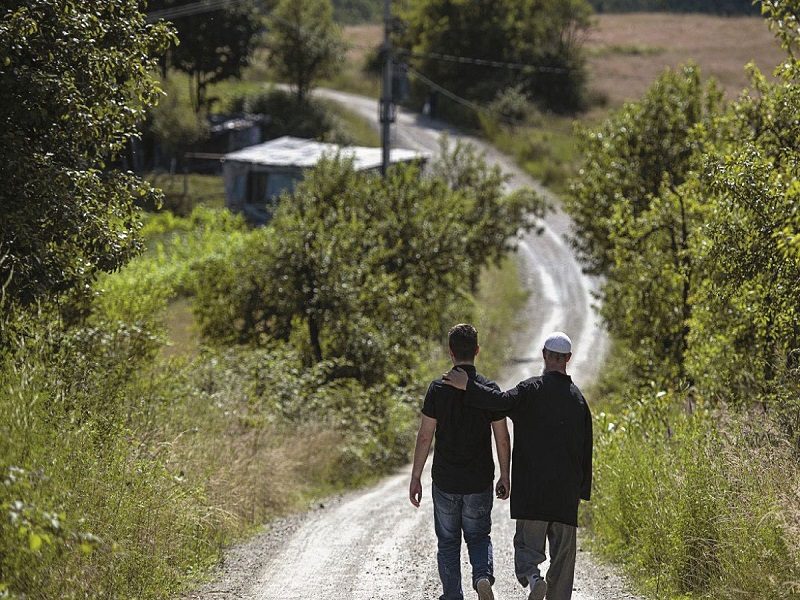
[313, 336]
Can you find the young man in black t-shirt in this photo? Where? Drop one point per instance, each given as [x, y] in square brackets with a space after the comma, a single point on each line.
[462, 472]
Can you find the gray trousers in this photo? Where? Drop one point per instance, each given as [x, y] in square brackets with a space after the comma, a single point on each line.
[529, 553]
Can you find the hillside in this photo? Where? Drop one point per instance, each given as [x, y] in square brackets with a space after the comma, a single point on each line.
[627, 51]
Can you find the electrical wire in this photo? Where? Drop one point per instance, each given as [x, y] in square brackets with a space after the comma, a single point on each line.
[459, 99]
[188, 10]
[485, 63]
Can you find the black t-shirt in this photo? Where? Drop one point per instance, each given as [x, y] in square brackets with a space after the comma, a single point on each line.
[462, 454]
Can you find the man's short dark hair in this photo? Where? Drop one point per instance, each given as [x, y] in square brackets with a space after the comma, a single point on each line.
[556, 356]
[463, 341]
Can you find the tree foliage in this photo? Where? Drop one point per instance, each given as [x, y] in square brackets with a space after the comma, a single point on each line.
[687, 205]
[634, 215]
[304, 43]
[361, 269]
[543, 36]
[74, 81]
[213, 45]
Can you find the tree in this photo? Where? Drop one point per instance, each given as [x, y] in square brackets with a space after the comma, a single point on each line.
[214, 45]
[635, 213]
[493, 217]
[304, 43]
[748, 309]
[359, 267]
[627, 159]
[75, 79]
[687, 206]
[541, 37]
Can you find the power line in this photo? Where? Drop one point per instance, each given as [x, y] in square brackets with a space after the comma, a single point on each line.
[486, 63]
[456, 98]
[188, 10]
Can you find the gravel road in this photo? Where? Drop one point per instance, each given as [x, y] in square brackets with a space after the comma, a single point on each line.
[371, 543]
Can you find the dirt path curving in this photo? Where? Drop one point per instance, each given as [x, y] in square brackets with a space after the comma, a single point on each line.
[372, 544]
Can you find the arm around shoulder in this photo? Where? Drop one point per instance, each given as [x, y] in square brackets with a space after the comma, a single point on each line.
[490, 398]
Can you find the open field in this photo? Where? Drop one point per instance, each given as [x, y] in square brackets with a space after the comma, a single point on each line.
[628, 51]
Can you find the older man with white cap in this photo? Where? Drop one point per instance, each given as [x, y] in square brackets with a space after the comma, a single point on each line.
[551, 465]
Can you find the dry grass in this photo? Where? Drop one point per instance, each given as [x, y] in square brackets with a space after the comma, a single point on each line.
[362, 38]
[259, 472]
[629, 51]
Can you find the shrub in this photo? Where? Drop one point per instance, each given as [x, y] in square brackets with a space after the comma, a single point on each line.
[307, 120]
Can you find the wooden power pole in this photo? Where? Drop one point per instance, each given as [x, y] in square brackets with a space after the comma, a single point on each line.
[386, 105]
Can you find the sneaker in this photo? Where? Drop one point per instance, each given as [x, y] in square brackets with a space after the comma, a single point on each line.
[484, 588]
[538, 588]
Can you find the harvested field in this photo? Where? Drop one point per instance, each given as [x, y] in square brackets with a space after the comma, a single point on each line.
[627, 52]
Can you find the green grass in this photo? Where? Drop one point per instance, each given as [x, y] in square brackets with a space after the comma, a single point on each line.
[498, 304]
[361, 131]
[185, 191]
[545, 148]
[696, 504]
[624, 50]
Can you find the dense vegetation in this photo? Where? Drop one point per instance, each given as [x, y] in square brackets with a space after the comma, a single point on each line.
[129, 447]
[478, 51]
[687, 206]
[66, 108]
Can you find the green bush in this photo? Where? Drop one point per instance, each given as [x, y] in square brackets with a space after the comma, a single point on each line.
[307, 120]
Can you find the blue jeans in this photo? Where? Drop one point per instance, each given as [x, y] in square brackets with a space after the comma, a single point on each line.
[472, 514]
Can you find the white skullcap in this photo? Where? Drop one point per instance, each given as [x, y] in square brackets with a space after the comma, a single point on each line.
[558, 341]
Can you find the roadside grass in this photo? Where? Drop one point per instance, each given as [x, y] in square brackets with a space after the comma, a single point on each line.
[361, 132]
[498, 305]
[697, 504]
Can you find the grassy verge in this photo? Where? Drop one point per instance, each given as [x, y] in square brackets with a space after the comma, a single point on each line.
[697, 503]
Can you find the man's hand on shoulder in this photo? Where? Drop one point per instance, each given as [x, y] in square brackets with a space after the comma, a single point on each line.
[457, 378]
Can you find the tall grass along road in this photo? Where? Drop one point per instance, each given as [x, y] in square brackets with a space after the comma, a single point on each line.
[372, 544]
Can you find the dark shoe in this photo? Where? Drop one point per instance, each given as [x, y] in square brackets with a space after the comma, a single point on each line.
[484, 588]
[538, 588]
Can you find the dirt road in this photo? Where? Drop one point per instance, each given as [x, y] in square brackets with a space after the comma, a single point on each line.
[372, 544]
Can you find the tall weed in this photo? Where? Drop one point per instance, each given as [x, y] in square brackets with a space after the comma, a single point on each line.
[695, 502]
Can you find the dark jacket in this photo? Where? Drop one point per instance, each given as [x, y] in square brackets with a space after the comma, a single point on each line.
[462, 455]
[551, 463]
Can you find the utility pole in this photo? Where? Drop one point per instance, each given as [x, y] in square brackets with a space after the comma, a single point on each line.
[386, 105]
